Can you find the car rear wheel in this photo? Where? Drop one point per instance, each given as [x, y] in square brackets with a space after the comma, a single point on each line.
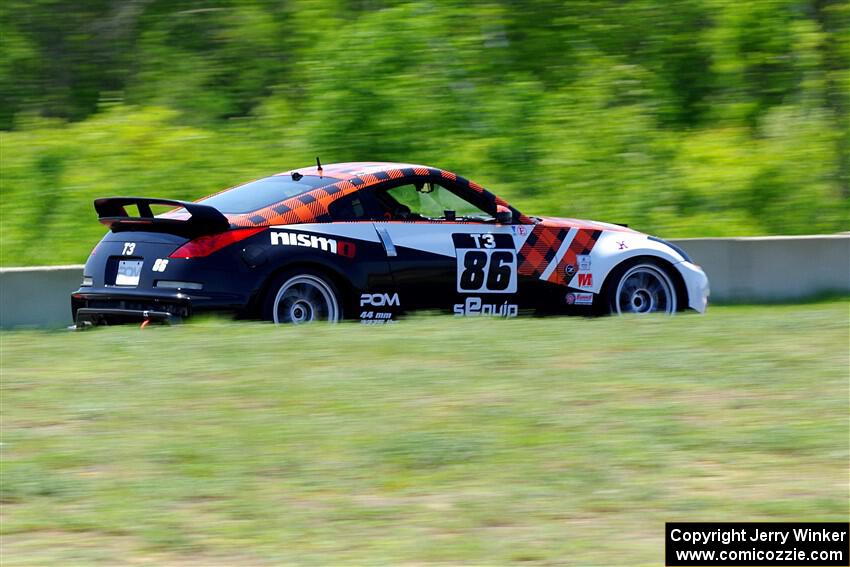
[303, 297]
[640, 288]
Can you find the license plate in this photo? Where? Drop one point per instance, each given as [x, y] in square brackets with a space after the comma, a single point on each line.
[128, 272]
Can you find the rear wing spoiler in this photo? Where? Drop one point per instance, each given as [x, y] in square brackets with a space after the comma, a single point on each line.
[203, 219]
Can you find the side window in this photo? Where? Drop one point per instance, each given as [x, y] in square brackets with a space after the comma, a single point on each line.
[410, 202]
[360, 206]
[429, 201]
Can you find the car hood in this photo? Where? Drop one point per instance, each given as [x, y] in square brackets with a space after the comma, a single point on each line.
[584, 224]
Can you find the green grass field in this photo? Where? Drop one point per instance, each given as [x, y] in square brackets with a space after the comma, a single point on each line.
[433, 441]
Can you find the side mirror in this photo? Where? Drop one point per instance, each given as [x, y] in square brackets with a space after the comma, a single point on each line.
[504, 215]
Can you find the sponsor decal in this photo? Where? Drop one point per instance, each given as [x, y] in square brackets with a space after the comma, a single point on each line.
[585, 280]
[584, 299]
[474, 307]
[583, 262]
[376, 317]
[622, 245]
[579, 299]
[570, 270]
[379, 300]
[518, 229]
[340, 247]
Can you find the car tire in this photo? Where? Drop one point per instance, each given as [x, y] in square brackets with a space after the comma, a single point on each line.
[302, 296]
[641, 286]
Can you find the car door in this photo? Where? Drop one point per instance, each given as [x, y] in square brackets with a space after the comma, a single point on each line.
[448, 253]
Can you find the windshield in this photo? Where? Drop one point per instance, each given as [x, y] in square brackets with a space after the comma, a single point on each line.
[263, 192]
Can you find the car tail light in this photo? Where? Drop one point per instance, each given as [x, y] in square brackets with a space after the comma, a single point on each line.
[206, 245]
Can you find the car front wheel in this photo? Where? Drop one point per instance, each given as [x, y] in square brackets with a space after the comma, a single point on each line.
[642, 287]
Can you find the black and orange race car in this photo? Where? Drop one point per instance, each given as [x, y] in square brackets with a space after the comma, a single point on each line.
[369, 241]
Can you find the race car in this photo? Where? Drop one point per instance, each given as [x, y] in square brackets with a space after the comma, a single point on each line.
[369, 241]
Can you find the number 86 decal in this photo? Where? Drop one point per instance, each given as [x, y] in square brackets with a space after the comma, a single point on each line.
[486, 271]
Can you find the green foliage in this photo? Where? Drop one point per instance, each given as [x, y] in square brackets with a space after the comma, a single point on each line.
[685, 118]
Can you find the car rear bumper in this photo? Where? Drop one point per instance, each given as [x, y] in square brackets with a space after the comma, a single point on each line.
[89, 317]
[111, 306]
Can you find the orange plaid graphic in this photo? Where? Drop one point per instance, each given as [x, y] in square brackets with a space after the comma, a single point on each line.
[583, 243]
[312, 206]
[539, 249]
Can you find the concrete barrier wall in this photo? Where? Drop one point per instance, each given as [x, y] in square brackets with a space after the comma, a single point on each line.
[781, 268]
[37, 297]
[772, 268]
